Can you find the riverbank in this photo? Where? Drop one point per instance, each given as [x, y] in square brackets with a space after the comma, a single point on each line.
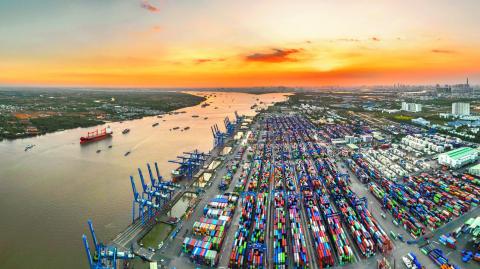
[33, 112]
[61, 185]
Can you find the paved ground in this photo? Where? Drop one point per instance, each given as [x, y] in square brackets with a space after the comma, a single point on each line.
[173, 252]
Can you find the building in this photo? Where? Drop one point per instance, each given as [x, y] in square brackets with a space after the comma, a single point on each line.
[352, 147]
[475, 170]
[460, 109]
[462, 89]
[350, 139]
[458, 157]
[421, 121]
[443, 90]
[366, 138]
[411, 107]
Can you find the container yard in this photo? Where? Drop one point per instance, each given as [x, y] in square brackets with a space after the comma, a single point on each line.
[289, 194]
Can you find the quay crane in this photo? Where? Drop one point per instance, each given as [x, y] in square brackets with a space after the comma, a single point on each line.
[229, 126]
[159, 185]
[218, 136]
[190, 163]
[238, 118]
[105, 257]
[143, 203]
[152, 193]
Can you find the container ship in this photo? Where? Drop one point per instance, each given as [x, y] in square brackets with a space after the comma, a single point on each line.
[96, 135]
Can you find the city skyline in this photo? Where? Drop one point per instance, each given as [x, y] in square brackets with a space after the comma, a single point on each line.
[140, 43]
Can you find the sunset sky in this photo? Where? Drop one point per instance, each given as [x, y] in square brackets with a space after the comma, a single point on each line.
[215, 43]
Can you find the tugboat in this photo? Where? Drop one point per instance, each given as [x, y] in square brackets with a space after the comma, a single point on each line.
[155, 124]
[126, 131]
[96, 135]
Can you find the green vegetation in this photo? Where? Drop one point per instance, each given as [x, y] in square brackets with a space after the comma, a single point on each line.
[52, 124]
[158, 234]
[27, 112]
[402, 117]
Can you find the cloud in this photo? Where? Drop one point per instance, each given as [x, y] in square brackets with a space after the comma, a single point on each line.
[444, 51]
[208, 60]
[146, 5]
[375, 38]
[348, 40]
[278, 55]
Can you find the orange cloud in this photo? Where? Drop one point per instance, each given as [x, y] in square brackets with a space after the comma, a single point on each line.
[445, 51]
[207, 60]
[146, 5]
[277, 56]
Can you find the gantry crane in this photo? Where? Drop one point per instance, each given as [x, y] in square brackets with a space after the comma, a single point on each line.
[105, 257]
[218, 136]
[143, 202]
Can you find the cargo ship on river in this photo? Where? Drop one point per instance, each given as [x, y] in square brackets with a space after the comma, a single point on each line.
[96, 135]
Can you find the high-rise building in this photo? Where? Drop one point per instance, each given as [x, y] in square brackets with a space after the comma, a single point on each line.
[461, 109]
[456, 89]
[411, 107]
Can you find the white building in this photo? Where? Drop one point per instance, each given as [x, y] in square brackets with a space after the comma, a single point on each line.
[421, 121]
[458, 157]
[411, 107]
[475, 170]
[459, 109]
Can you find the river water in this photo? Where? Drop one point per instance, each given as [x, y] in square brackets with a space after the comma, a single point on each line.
[48, 193]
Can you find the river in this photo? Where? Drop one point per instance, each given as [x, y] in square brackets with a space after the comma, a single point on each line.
[48, 193]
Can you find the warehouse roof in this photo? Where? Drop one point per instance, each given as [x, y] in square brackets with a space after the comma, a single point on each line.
[477, 166]
[352, 146]
[460, 152]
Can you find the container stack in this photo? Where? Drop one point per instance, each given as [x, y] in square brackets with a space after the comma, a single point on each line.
[256, 255]
[213, 227]
[423, 201]
[339, 237]
[448, 240]
[237, 256]
[319, 233]
[362, 237]
[299, 246]
[279, 232]
[437, 256]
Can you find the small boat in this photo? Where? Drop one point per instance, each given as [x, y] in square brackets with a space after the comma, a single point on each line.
[99, 150]
[126, 153]
[195, 116]
[176, 128]
[206, 118]
[159, 116]
[110, 146]
[205, 105]
[28, 147]
[155, 124]
[126, 131]
[216, 107]
[186, 128]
